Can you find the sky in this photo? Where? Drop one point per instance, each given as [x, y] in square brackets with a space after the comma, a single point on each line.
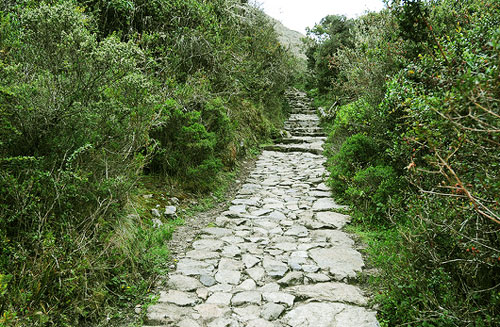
[299, 14]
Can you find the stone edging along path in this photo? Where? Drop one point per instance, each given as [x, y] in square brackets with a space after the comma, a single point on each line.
[278, 256]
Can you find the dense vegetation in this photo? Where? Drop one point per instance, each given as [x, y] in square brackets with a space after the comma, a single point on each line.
[95, 93]
[414, 115]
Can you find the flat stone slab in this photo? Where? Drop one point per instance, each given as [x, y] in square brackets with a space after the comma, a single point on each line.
[191, 267]
[330, 315]
[274, 268]
[247, 297]
[332, 219]
[183, 283]
[326, 204]
[178, 298]
[341, 262]
[220, 298]
[166, 313]
[329, 292]
[228, 277]
[208, 245]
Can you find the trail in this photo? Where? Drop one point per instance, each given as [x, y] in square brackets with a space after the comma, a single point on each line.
[278, 256]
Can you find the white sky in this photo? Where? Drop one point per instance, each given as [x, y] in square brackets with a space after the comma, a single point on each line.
[299, 14]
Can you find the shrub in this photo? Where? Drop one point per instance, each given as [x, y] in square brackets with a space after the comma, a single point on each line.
[430, 171]
[371, 192]
[356, 153]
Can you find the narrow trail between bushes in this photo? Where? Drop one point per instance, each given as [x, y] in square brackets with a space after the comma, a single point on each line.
[278, 256]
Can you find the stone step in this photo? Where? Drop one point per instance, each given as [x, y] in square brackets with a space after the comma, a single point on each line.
[304, 147]
[308, 134]
[306, 129]
[302, 124]
[302, 139]
[302, 116]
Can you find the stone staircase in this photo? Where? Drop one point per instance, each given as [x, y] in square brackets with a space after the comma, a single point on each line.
[278, 256]
[302, 127]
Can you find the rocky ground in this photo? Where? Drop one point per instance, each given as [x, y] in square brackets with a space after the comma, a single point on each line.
[278, 255]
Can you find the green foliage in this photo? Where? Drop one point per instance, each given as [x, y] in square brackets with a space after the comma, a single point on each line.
[189, 142]
[351, 118]
[94, 92]
[358, 176]
[325, 39]
[372, 190]
[414, 147]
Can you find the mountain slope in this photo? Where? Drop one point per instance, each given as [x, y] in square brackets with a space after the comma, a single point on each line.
[290, 38]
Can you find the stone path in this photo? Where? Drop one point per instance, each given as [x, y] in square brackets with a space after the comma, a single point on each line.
[278, 255]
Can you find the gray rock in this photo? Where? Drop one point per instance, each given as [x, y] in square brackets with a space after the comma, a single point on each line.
[217, 231]
[260, 212]
[256, 273]
[279, 297]
[247, 313]
[202, 293]
[167, 314]
[232, 239]
[178, 298]
[157, 223]
[207, 280]
[297, 230]
[318, 278]
[325, 204]
[224, 322]
[208, 245]
[170, 211]
[247, 285]
[210, 312]
[202, 255]
[156, 213]
[230, 264]
[286, 246]
[231, 251]
[191, 267]
[247, 297]
[292, 278]
[220, 298]
[330, 314]
[310, 268]
[259, 323]
[188, 323]
[335, 237]
[270, 287]
[277, 215]
[228, 277]
[249, 260]
[342, 262]
[323, 187]
[238, 208]
[296, 263]
[329, 292]
[272, 311]
[274, 268]
[332, 219]
[183, 283]
[224, 288]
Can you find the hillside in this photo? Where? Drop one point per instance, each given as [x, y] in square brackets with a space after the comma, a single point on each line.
[290, 38]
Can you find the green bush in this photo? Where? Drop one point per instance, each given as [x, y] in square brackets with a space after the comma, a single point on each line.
[424, 76]
[190, 143]
[356, 153]
[372, 190]
[91, 92]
